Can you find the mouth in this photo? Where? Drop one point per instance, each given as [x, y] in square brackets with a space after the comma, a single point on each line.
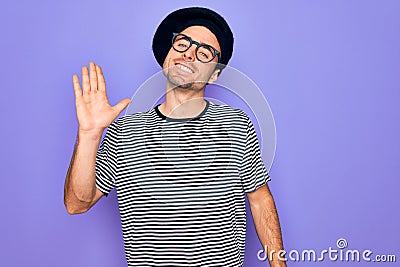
[184, 68]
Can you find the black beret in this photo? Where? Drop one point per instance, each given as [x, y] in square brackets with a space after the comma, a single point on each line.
[183, 18]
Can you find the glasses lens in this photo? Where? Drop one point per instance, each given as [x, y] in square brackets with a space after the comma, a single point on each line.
[181, 43]
[205, 53]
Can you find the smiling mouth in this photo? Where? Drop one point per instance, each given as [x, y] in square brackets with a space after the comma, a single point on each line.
[184, 68]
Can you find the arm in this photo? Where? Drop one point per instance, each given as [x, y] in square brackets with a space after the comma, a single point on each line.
[94, 115]
[80, 192]
[266, 221]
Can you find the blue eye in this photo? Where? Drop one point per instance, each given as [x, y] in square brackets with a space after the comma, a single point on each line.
[203, 55]
[181, 43]
[205, 52]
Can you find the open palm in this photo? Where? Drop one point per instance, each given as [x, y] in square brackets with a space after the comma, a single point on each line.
[93, 110]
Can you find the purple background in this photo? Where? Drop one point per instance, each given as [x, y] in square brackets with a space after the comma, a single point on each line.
[329, 69]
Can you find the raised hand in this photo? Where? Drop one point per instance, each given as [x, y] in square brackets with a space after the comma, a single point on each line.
[93, 110]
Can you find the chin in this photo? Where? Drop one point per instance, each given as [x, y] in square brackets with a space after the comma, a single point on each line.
[185, 81]
[187, 85]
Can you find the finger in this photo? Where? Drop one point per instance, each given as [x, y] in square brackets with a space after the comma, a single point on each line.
[101, 83]
[122, 105]
[93, 77]
[77, 86]
[85, 81]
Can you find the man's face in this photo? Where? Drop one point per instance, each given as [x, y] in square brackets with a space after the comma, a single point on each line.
[184, 70]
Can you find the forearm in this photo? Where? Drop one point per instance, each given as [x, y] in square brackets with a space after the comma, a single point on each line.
[80, 182]
[268, 229]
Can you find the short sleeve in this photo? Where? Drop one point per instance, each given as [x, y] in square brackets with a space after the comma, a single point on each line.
[253, 173]
[107, 160]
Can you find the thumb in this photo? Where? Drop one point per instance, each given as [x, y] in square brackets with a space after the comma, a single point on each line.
[122, 105]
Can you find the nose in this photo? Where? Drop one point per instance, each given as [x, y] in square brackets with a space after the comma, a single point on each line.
[190, 54]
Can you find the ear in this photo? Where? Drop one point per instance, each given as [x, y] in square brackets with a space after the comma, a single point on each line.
[214, 76]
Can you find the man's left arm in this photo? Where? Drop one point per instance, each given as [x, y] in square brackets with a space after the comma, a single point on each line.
[267, 224]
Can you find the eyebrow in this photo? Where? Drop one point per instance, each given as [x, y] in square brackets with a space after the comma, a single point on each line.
[195, 40]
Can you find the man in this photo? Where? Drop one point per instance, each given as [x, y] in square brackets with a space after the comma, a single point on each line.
[181, 168]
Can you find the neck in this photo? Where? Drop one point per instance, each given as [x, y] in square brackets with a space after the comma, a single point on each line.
[183, 102]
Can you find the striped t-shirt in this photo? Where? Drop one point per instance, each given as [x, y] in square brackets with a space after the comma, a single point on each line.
[180, 184]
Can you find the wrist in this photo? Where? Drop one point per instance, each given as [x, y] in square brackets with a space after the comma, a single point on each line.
[90, 135]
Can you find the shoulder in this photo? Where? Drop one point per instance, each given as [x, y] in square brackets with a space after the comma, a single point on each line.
[135, 118]
[132, 122]
[226, 111]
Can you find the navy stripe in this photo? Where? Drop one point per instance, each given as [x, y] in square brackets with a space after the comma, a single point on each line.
[181, 184]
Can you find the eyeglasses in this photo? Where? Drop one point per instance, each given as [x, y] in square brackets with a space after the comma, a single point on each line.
[204, 52]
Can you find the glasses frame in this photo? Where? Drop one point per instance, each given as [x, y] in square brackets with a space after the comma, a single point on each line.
[191, 41]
